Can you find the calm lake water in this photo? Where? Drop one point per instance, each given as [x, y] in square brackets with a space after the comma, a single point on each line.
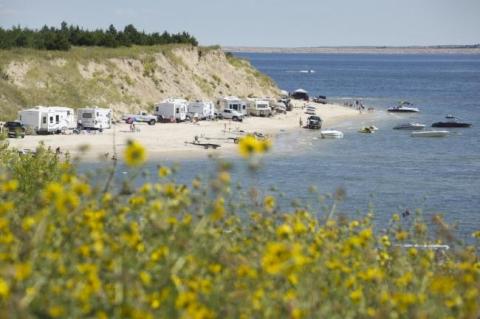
[388, 171]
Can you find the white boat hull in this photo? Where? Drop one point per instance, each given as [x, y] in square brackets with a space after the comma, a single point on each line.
[430, 134]
[331, 134]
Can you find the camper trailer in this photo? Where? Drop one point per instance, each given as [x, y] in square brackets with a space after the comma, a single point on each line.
[94, 118]
[258, 107]
[171, 110]
[202, 109]
[232, 103]
[53, 119]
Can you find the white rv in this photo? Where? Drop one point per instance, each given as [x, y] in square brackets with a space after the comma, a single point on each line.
[232, 103]
[258, 107]
[171, 110]
[94, 118]
[52, 119]
[203, 109]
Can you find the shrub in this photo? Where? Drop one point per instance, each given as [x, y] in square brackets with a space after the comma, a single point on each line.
[69, 247]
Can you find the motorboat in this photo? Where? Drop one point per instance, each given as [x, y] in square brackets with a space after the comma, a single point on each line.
[410, 126]
[452, 122]
[331, 134]
[403, 107]
[430, 134]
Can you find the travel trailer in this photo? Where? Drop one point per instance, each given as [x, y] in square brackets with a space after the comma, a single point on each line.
[232, 103]
[171, 110]
[52, 119]
[258, 107]
[203, 109]
[94, 118]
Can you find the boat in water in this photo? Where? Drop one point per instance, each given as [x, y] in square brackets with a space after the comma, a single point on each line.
[430, 134]
[403, 107]
[452, 122]
[410, 126]
[331, 134]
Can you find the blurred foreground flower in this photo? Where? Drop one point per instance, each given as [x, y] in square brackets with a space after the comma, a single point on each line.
[249, 145]
[135, 154]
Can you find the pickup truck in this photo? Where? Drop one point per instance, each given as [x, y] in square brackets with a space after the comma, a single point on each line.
[141, 117]
[230, 115]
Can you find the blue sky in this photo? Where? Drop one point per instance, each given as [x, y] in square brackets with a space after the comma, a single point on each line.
[268, 22]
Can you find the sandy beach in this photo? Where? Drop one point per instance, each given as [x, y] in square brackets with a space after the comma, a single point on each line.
[165, 140]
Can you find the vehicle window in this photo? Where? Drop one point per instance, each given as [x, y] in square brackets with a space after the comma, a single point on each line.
[51, 119]
[57, 119]
[68, 113]
[177, 110]
[87, 115]
[44, 120]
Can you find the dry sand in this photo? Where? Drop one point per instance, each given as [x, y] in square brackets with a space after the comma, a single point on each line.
[167, 140]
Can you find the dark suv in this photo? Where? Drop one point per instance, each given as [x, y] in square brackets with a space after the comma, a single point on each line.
[15, 129]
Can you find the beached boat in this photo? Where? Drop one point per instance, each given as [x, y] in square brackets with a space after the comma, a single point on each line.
[430, 134]
[331, 134]
[410, 126]
[403, 107]
[310, 109]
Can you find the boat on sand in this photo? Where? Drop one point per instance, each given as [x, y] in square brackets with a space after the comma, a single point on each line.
[331, 134]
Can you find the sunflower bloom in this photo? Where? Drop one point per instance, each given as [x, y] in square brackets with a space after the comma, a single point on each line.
[135, 154]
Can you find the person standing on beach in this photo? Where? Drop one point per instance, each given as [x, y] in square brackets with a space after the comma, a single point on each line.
[300, 122]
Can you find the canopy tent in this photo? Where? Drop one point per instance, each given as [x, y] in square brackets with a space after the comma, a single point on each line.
[300, 94]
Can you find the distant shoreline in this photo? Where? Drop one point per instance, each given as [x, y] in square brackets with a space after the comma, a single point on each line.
[474, 49]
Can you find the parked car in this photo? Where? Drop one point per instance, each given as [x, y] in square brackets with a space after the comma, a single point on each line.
[322, 99]
[314, 122]
[141, 117]
[231, 114]
[15, 129]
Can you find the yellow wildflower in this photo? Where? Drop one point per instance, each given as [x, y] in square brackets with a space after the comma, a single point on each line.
[4, 288]
[22, 271]
[249, 145]
[135, 154]
[164, 171]
[56, 311]
[218, 209]
[356, 295]
[284, 230]
[269, 203]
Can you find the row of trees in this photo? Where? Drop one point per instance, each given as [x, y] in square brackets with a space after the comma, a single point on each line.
[63, 38]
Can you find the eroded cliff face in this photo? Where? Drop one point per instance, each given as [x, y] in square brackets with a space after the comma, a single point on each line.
[125, 79]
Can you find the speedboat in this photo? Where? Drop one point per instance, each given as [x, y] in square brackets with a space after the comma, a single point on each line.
[331, 134]
[430, 134]
[410, 126]
[452, 122]
[404, 107]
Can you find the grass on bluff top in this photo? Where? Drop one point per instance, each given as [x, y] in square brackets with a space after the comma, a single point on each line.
[53, 77]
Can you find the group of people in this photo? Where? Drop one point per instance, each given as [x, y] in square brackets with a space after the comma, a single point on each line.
[357, 105]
